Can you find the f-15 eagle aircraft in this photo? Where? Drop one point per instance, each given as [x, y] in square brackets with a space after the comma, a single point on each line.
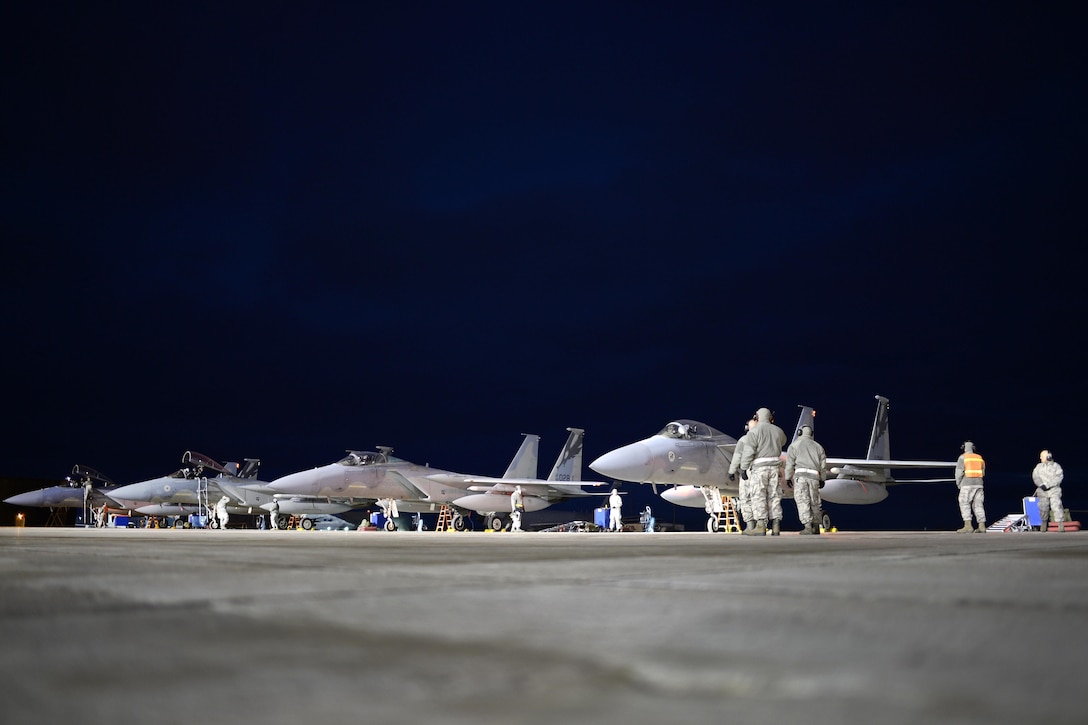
[695, 458]
[199, 484]
[85, 488]
[378, 477]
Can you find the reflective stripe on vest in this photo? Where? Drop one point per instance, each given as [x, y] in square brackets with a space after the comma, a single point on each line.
[972, 465]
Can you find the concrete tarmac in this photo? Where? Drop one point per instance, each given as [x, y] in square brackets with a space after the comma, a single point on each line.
[133, 625]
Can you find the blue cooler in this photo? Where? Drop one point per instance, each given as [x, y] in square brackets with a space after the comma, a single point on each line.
[600, 517]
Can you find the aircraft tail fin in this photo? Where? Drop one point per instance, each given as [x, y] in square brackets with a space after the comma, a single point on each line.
[807, 417]
[249, 469]
[524, 463]
[879, 445]
[568, 466]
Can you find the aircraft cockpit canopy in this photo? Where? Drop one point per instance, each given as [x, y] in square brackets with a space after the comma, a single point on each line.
[363, 458]
[81, 476]
[689, 430]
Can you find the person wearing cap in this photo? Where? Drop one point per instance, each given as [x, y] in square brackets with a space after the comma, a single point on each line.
[1048, 476]
[805, 464]
[970, 470]
[744, 488]
[763, 456]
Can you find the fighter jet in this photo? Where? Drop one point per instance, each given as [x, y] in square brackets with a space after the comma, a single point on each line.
[695, 458]
[85, 488]
[394, 484]
[491, 496]
[201, 482]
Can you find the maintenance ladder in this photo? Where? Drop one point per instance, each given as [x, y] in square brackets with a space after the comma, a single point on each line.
[727, 517]
[445, 518]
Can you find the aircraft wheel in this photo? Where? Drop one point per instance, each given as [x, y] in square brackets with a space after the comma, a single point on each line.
[825, 521]
[712, 524]
[307, 524]
[390, 525]
[496, 523]
[282, 524]
[459, 523]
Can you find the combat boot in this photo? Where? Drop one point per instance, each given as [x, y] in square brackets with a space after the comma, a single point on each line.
[776, 527]
[1061, 526]
[981, 528]
[807, 530]
[760, 529]
[750, 527]
[967, 528]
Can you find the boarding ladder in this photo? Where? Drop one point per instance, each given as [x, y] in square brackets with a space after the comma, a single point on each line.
[445, 518]
[727, 517]
[202, 508]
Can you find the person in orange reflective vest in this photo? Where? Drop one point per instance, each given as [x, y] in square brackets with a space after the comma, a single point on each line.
[970, 469]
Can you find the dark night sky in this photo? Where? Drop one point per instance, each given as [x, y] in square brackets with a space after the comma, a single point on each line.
[282, 230]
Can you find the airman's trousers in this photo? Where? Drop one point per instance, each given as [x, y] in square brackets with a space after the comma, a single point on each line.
[766, 493]
[971, 499]
[806, 494]
[1051, 501]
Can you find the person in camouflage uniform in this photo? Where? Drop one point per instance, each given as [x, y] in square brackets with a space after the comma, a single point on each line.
[805, 464]
[970, 470]
[744, 489]
[1048, 476]
[763, 455]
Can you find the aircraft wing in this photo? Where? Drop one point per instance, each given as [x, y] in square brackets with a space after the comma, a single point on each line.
[404, 482]
[877, 470]
[499, 485]
[873, 463]
[548, 490]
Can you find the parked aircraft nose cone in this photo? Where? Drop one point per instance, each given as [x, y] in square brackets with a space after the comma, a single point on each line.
[633, 462]
[132, 492]
[30, 498]
[301, 482]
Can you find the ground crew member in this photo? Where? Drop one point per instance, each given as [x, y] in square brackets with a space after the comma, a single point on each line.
[970, 469]
[805, 464]
[615, 503]
[744, 490]
[274, 514]
[763, 455]
[647, 519]
[517, 508]
[1048, 476]
[221, 512]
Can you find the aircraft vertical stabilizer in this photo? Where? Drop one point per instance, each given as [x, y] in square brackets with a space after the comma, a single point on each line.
[879, 442]
[807, 417]
[568, 467]
[524, 464]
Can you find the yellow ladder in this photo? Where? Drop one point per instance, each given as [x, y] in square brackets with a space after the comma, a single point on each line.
[727, 519]
[445, 518]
